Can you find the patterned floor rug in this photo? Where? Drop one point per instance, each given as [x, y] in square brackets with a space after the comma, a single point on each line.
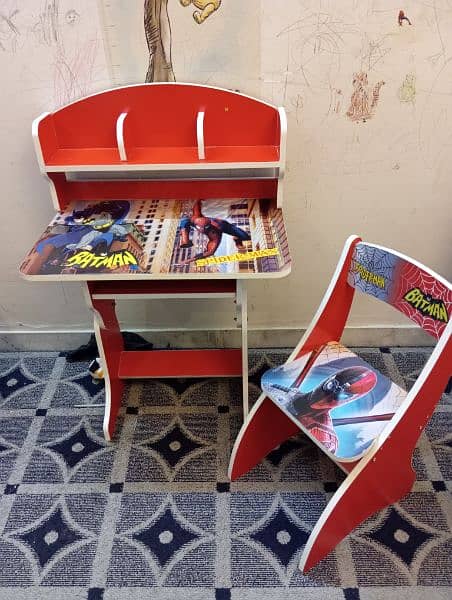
[153, 514]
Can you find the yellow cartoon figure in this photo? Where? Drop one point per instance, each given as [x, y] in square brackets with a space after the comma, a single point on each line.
[407, 91]
[206, 8]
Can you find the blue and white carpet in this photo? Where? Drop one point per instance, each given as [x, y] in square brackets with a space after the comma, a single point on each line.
[153, 514]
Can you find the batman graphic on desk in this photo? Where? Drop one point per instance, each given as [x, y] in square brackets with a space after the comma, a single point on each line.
[95, 227]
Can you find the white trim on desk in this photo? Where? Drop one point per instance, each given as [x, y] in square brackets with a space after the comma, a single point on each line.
[157, 276]
[220, 174]
[282, 155]
[150, 296]
[36, 142]
[173, 83]
[42, 167]
[123, 167]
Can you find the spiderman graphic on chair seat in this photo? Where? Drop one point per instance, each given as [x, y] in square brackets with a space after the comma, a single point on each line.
[312, 408]
[213, 228]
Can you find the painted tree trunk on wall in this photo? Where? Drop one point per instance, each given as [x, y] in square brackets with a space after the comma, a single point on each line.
[158, 36]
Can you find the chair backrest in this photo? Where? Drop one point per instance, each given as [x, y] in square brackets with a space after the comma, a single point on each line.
[415, 290]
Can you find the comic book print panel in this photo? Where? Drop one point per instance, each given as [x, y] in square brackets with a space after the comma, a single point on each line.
[162, 237]
[338, 398]
[72, 250]
[410, 289]
[424, 299]
[373, 271]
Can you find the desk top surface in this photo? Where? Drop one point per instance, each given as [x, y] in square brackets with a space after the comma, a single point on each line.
[162, 239]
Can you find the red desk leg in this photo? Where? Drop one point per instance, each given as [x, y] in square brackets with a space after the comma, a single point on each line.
[110, 345]
[119, 365]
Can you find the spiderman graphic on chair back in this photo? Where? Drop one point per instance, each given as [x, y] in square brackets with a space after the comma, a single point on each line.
[213, 228]
[312, 408]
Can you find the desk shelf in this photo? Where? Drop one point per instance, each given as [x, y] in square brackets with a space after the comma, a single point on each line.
[162, 159]
[162, 131]
[224, 362]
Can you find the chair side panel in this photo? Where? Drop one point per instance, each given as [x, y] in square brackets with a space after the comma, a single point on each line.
[420, 294]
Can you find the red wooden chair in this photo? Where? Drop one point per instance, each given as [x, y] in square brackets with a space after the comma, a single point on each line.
[374, 425]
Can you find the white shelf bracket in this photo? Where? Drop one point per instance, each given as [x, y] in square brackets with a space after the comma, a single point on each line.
[282, 154]
[120, 136]
[242, 322]
[200, 135]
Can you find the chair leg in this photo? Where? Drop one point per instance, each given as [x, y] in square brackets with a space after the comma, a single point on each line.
[385, 474]
[110, 343]
[265, 428]
[361, 495]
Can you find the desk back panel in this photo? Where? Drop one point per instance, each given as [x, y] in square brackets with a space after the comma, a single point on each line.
[153, 131]
[67, 192]
[164, 115]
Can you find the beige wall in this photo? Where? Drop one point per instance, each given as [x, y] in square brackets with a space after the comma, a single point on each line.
[388, 179]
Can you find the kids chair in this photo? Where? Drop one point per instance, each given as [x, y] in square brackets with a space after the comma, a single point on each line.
[364, 422]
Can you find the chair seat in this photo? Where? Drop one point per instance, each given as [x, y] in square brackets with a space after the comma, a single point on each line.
[340, 401]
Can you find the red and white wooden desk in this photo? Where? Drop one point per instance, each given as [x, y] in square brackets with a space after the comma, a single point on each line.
[162, 191]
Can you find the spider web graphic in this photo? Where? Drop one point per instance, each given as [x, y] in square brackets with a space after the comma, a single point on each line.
[373, 271]
[333, 351]
[388, 277]
[412, 277]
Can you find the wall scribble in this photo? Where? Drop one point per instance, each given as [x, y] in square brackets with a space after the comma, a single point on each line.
[364, 100]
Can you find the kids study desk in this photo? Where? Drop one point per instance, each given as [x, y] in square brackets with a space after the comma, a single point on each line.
[162, 191]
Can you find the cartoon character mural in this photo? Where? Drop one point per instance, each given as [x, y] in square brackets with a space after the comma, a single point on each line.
[157, 29]
[363, 101]
[213, 228]
[206, 8]
[407, 91]
[402, 17]
[158, 37]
